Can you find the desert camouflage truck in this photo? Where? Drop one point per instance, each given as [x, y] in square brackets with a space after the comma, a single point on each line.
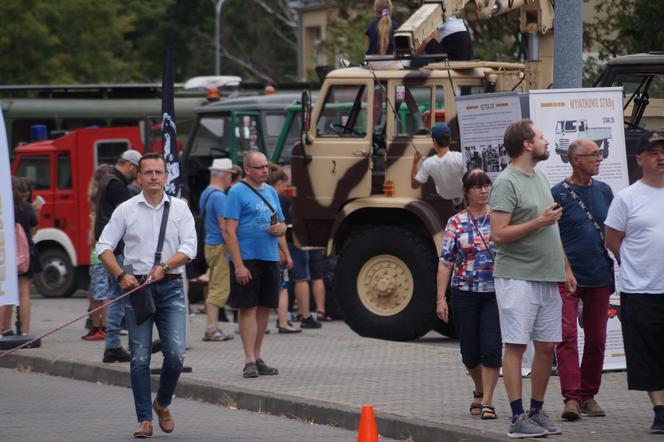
[351, 170]
[352, 193]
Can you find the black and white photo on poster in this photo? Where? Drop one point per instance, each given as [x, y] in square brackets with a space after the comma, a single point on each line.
[483, 119]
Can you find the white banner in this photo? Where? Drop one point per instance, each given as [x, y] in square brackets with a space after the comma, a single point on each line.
[595, 113]
[8, 272]
[483, 119]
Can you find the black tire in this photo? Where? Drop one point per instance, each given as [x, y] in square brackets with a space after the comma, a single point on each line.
[58, 276]
[415, 317]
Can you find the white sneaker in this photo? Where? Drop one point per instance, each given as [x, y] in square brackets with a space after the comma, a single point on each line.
[524, 427]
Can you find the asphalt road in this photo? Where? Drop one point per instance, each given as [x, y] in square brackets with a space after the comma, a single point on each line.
[37, 407]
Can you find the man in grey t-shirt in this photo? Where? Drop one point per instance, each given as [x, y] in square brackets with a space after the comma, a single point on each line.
[529, 264]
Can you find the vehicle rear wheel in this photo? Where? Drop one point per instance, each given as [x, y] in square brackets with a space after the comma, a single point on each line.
[57, 278]
[386, 284]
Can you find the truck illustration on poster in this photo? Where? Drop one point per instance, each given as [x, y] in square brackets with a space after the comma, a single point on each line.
[568, 130]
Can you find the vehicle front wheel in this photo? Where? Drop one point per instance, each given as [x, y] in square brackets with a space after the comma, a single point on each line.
[385, 282]
[57, 278]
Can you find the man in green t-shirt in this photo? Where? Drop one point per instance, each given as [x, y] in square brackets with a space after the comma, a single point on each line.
[529, 264]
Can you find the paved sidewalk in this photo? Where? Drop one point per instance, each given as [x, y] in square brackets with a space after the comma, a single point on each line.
[419, 391]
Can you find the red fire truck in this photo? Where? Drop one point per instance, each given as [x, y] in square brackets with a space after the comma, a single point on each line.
[60, 170]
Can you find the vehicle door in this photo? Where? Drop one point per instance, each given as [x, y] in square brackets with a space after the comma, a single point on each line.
[409, 129]
[288, 135]
[65, 213]
[38, 169]
[248, 134]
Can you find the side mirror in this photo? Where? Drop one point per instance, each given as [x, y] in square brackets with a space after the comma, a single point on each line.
[306, 117]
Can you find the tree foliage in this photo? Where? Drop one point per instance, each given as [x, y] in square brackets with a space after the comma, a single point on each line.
[622, 27]
[90, 41]
[496, 39]
[62, 42]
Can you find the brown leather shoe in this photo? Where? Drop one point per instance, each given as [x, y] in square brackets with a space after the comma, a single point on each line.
[144, 430]
[571, 412]
[591, 408]
[165, 419]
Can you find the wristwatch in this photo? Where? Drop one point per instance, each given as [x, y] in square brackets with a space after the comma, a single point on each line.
[164, 267]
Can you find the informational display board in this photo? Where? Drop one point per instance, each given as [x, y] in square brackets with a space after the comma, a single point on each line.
[564, 115]
[8, 273]
[483, 119]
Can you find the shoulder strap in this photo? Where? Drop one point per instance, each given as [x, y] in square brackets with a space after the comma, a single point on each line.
[259, 195]
[162, 231]
[590, 217]
[585, 209]
[207, 198]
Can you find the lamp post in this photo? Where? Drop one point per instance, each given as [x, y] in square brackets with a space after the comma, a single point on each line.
[217, 37]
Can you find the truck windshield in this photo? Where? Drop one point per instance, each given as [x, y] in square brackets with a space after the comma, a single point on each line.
[209, 137]
[570, 126]
[344, 112]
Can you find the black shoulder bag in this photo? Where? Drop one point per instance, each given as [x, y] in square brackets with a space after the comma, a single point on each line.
[142, 301]
[274, 219]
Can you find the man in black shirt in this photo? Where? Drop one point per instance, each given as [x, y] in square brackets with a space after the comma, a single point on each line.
[113, 191]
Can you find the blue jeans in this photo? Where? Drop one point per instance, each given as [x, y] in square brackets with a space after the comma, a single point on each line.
[170, 318]
[115, 313]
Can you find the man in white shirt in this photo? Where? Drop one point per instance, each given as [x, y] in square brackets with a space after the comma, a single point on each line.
[635, 235]
[445, 167]
[137, 222]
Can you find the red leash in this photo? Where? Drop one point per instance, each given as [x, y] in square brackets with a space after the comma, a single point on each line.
[124, 295]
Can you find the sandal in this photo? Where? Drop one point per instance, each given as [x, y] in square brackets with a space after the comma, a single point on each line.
[476, 407]
[217, 335]
[322, 317]
[488, 412]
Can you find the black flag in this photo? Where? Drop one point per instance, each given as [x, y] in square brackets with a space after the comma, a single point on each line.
[168, 132]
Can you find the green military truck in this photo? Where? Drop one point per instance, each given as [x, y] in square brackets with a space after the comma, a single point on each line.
[232, 127]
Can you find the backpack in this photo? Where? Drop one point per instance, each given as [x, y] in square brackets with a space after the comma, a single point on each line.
[22, 250]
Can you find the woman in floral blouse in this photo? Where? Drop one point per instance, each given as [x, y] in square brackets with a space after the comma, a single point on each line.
[468, 256]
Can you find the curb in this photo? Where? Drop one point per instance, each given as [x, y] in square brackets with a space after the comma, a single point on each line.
[308, 410]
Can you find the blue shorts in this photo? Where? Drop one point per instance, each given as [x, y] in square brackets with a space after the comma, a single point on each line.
[283, 278]
[300, 270]
[100, 286]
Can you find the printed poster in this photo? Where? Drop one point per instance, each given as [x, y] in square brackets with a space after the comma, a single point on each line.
[483, 119]
[597, 114]
[8, 273]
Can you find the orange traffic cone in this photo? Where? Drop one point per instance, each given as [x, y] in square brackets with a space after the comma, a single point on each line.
[368, 431]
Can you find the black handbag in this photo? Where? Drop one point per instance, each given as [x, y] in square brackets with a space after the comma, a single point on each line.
[142, 301]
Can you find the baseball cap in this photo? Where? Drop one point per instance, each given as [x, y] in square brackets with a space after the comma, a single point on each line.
[133, 156]
[649, 139]
[222, 165]
[439, 131]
